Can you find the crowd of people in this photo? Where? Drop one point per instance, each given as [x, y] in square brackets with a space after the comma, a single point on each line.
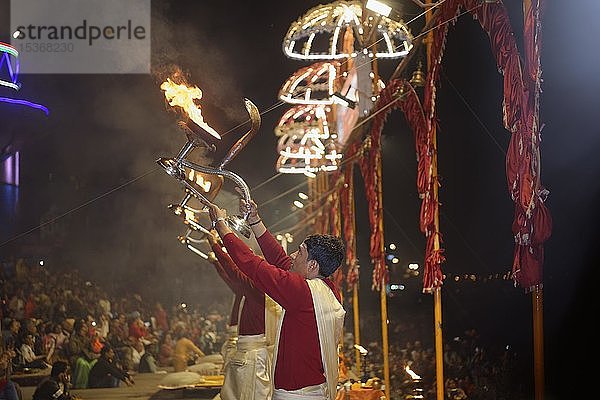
[472, 369]
[60, 323]
[50, 319]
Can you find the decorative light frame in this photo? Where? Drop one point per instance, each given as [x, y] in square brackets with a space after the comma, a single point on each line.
[6, 52]
[304, 84]
[331, 19]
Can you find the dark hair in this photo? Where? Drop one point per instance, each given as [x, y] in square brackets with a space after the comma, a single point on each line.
[327, 250]
[58, 368]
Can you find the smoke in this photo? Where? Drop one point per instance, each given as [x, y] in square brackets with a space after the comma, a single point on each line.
[101, 143]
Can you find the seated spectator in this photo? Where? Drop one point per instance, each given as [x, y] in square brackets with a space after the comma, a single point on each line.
[161, 318]
[50, 340]
[138, 329]
[9, 390]
[30, 327]
[82, 358]
[137, 350]
[185, 352]
[56, 386]
[453, 392]
[32, 360]
[167, 348]
[147, 361]
[106, 373]
[118, 339]
[10, 336]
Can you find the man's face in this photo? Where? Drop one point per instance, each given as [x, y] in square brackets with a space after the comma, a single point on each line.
[29, 339]
[301, 264]
[65, 377]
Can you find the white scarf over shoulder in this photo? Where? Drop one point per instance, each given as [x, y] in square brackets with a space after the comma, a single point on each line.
[329, 314]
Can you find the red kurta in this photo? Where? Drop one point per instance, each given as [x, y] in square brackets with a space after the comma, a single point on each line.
[235, 308]
[252, 318]
[299, 361]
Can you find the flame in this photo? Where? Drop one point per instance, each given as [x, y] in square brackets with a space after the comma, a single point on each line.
[411, 373]
[183, 96]
[204, 184]
[190, 216]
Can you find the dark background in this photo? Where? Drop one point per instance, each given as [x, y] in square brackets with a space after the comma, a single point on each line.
[81, 166]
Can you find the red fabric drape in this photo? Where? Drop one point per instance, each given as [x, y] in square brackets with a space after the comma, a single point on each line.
[521, 112]
[369, 166]
[413, 111]
[335, 228]
[532, 223]
[348, 217]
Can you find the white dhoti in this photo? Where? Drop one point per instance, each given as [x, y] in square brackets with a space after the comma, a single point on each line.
[248, 371]
[230, 345]
[316, 392]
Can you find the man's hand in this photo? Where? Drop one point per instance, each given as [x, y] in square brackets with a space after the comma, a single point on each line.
[251, 208]
[218, 217]
[212, 237]
[254, 220]
[215, 212]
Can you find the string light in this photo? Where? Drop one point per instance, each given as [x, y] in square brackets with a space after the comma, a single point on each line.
[7, 48]
[9, 84]
[25, 103]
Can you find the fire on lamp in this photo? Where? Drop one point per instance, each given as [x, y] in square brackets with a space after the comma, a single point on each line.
[412, 373]
[361, 349]
[183, 96]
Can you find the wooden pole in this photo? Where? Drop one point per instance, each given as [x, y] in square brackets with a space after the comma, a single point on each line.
[382, 289]
[355, 308]
[537, 294]
[538, 341]
[355, 302]
[383, 294]
[384, 336]
[439, 355]
[437, 292]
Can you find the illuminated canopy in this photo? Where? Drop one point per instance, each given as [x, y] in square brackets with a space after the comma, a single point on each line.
[306, 144]
[320, 33]
[305, 119]
[314, 84]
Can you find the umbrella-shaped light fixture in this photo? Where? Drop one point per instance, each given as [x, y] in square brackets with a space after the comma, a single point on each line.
[301, 120]
[320, 33]
[314, 84]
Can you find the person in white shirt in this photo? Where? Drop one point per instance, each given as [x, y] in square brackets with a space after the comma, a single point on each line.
[32, 360]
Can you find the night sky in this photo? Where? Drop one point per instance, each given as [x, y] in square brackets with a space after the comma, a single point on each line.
[105, 131]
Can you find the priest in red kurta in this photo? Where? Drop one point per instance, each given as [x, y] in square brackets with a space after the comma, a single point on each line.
[248, 366]
[306, 357]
